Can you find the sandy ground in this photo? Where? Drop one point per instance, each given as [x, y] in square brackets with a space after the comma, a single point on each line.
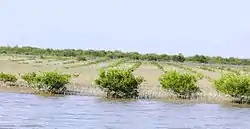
[150, 88]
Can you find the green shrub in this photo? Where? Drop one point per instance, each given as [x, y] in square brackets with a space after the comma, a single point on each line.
[234, 85]
[50, 82]
[183, 85]
[29, 77]
[7, 77]
[42, 57]
[119, 83]
[81, 58]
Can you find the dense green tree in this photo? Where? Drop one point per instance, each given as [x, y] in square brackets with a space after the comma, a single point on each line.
[26, 50]
[199, 59]
[178, 58]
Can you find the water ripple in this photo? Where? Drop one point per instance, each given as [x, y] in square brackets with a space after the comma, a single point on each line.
[30, 111]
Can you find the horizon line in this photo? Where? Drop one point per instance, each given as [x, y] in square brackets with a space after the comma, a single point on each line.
[113, 50]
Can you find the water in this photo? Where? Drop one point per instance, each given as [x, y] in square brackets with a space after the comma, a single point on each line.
[26, 111]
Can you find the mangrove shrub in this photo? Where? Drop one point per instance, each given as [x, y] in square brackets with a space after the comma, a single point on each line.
[234, 85]
[29, 77]
[7, 77]
[50, 82]
[119, 83]
[183, 85]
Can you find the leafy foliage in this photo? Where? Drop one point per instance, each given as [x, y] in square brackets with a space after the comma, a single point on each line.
[178, 58]
[118, 54]
[234, 85]
[81, 58]
[7, 77]
[119, 83]
[50, 82]
[183, 85]
[199, 59]
[29, 77]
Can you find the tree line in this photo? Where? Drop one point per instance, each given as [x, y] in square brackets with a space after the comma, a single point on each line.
[27, 50]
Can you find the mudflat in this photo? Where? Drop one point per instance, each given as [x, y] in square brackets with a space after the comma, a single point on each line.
[84, 83]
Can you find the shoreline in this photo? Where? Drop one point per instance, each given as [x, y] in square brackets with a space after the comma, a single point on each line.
[82, 85]
[87, 92]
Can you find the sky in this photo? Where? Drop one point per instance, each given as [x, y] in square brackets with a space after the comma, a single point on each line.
[208, 27]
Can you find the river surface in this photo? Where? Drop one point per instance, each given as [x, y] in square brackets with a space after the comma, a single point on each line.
[25, 111]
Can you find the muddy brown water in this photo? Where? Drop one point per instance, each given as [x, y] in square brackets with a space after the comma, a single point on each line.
[26, 111]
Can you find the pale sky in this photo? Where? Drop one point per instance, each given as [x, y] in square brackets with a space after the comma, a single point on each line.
[209, 27]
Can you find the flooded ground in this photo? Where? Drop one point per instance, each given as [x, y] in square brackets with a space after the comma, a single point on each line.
[28, 111]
